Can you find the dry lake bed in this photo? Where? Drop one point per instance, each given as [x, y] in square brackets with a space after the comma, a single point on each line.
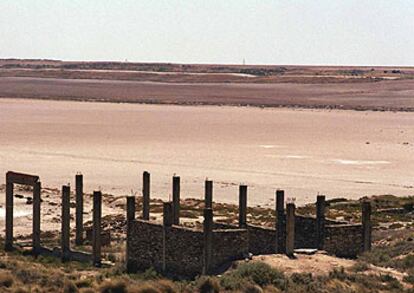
[306, 152]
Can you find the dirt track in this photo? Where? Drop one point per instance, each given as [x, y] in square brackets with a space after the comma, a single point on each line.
[395, 95]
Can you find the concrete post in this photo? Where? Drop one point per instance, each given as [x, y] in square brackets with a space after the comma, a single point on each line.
[146, 195]
[168, 212]
[79, 209]
[96, 232]
[168, 219]
[36, 218]
[280, 222]
[130, 208]
[320, 221]
[176, 200]
[242, 206]
[366, 225]
[208, 240]
[8, 245]
[290, 229]
[130, 217]
[208, 194]
[65, 236]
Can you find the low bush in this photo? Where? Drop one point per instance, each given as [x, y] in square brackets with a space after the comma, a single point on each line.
[6, 279]
[253, 272]
[208, 285]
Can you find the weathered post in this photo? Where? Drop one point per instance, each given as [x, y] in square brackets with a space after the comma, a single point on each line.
[146, 195]
[290, 228]
[366, 225]
[280, 222]
[79, 209]
[320, 220]
[168, 219]
[130, 217]
[168, 212]
[208, 194]
[96, 232]
[65, 236]
[242, 206]
[208, 240]
[176, 200]
[9, 216]
[36, 218]
[130, 208]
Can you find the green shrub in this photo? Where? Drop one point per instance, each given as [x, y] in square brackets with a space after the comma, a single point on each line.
[254, 272]
[360, 266]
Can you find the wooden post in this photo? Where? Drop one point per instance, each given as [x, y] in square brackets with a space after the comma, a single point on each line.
[281, 222]
[242, 206]
[36, 218]
[96, 232]
[290, 229]
[8, 245]
[320, 221]
[176, 200]
[79, 209]
[65, 236]
[366, 225]
[208, 194]
[146, 196]
[208, 240]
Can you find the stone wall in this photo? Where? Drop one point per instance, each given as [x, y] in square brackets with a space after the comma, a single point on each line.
[229, 245]
[144, 243]
[262, 240]
[305, 232]
[343, 240]
[180, 250]
[184, 251]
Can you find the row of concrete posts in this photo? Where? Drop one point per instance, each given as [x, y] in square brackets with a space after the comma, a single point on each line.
[66, 253]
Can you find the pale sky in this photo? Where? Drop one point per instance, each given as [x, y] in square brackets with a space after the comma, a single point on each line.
[325, 32]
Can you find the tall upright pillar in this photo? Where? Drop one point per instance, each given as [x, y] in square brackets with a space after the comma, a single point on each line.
[36, 218]
[130, 265]
[79, 209]
[280, 222]
[168, 213]
[65, 236]
[290, 229]
[146, 195]
[366, 225]
[96, 232]
[208, 240]
[8, 245]
[130, 208]
[320, 221]
[242, 206]
[208, 194]
[176, 200]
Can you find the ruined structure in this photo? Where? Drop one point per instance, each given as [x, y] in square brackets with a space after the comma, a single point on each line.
[171, 248]
[65, 251]
[182, 251]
